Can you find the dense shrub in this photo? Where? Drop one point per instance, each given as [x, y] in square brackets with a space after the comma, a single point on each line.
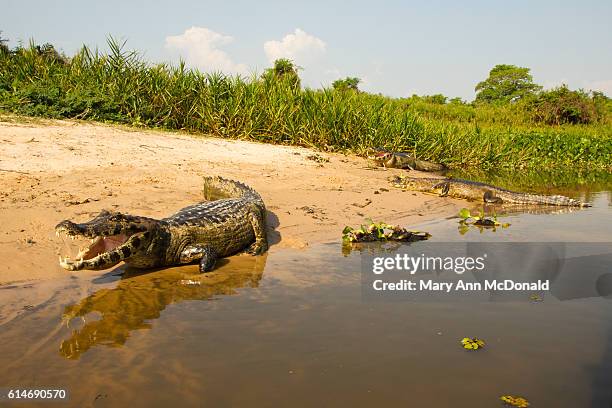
[562, 105]
[284, 70]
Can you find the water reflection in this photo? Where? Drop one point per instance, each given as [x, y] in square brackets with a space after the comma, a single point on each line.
[371, 248]
[109, 315]
[497, 212]
[513, 209]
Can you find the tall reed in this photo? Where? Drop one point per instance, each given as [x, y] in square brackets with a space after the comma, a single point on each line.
[119, 86]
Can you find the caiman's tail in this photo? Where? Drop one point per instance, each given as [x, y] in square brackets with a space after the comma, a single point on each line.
[548, 200]
[217, 188]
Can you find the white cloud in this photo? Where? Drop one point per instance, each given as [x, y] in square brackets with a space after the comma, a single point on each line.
[200, 47]
[604, 86]
[299, 46]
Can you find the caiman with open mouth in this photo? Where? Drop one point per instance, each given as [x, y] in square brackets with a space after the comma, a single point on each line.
[476, 191]
[203, 232]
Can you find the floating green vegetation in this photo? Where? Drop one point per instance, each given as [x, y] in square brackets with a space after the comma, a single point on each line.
[536, 298]
[373, 232]
[480, 221]
[120, 86]
[514, 401]
[472, 343]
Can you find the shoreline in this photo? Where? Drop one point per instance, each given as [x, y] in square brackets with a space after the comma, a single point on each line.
[58, 169]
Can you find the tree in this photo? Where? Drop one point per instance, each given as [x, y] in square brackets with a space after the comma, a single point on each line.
[437, 99]
[603, 104]
[348, 83]
[457, 101]
[506, 83]
[284, 70]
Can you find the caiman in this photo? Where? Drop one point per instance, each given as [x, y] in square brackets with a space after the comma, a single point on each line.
[200, 233]
[476, 191]
[397, 160]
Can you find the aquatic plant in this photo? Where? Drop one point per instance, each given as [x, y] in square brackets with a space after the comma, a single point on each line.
[472, 343]
[515, 401]
[380, 231]
[467, 219]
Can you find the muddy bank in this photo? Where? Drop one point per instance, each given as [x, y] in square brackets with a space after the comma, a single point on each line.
[53, 170]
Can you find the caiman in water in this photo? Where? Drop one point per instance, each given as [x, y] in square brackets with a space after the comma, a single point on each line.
[476, 191]
[202, 232]
[397, 160]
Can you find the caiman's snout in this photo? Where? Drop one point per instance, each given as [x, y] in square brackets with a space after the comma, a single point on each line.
[112, 236]
[104, 224]
[73, 230]
[379, 156]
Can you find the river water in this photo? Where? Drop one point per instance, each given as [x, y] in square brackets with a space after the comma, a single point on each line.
[292, 328]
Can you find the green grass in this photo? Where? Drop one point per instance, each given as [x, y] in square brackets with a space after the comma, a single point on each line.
[121, 87]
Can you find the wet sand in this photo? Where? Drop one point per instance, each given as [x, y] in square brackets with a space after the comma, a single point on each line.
[55, 170]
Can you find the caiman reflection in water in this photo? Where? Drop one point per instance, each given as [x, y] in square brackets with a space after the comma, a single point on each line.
[139, 298]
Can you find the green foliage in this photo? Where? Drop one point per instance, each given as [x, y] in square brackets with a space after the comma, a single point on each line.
[603, 105]
[437, 99]
[480, 221]
[514, 401]
[118, 86]
[561, 105]
[49, 54]
[464, 214]
[457, 101]
[346, 84]
[506, 83]
[472, 343]
[536, 298]
[380, 231]
[284, 71]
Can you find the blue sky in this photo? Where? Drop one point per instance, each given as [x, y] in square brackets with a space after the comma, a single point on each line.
[397, 47]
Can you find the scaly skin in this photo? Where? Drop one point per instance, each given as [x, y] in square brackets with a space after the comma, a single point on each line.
[202, 232]
[395, 160]
[473, 190]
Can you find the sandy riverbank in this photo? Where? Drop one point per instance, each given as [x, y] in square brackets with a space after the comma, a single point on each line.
[54, 170]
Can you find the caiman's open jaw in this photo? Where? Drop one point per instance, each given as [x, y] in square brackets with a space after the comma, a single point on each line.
[380, 156]
[113, 236]
[102, 252]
